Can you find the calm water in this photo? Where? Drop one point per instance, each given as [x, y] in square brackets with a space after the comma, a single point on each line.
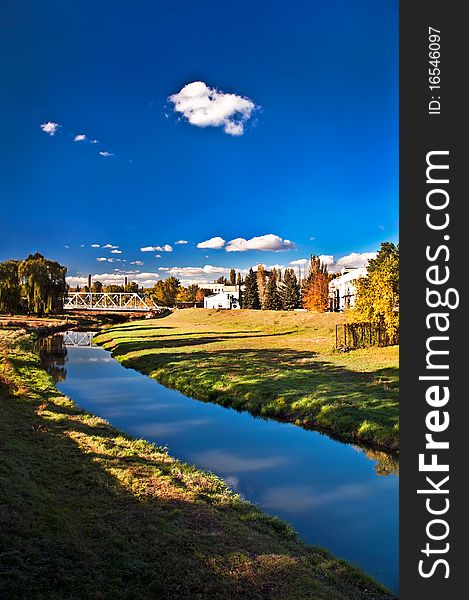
[329, 491]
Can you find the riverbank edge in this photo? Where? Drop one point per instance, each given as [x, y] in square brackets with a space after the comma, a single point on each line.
[188, 387]
[33, 389]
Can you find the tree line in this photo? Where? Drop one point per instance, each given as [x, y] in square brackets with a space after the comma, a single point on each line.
[35, 285]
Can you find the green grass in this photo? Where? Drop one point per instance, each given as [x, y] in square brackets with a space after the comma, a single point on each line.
[89, 512]
[275, 364]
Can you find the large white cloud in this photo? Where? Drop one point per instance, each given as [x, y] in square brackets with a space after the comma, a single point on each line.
[214, 243]
[354, 260]
[268, 242]
[50, 127]
[203, 106]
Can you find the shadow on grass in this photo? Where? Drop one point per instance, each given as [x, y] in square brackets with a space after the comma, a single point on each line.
[87, 512]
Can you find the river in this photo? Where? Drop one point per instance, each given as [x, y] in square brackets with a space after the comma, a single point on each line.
[335, 495]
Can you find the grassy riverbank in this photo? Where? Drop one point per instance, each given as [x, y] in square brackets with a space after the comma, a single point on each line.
[88, 512]
[276, 364]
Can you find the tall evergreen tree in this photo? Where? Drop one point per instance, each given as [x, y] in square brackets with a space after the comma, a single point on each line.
[251, 291]
[239, 279]
[232, 277]
[290, 292]
[272, 295]
[261, 284]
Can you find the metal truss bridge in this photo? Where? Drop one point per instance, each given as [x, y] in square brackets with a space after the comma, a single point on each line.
[107, 302]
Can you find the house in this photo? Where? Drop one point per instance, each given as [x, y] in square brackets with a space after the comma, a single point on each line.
[222, 300]
[217, 288]
[343, 290]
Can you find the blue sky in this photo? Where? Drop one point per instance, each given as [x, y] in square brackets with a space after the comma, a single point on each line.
[303, 147]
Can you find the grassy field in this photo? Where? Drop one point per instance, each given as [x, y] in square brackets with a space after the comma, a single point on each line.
[88, 512]
[275, 364]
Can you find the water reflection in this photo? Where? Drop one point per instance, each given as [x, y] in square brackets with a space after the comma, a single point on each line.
[336, 495]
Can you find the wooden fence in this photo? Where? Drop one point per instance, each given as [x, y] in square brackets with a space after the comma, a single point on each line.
[363, 335]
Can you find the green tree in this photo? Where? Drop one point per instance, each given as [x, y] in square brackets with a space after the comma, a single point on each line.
[290, 292]
[272, 296]
[232, 277]
[97, 287]
[239, 279]
[251, 292]
[131, 287]
[165, 292]
[223, 280]
[42, 284]
[377, 298]
[10, 293]
[315, 292]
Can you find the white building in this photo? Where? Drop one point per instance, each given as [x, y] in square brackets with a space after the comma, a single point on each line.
[343, 290]
[223, 300]
[217, 288]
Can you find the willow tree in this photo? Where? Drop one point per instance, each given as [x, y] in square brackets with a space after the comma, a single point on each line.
[10, 295]
[378, 293]
[42, 284]
[316, 286]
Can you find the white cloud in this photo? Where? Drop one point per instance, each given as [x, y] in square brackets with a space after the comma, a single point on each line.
[112, 246]
[327, 259]
[214, 243]
[157, 255]
[50, 127]
[163, 268]
[179, 242]
[268, 242]
[165, 248]
[116, 251]
[355, 260]
[101, 259]
[94, 141]
[299, 262]
[66, 246]
[136, 262]
[203, 106]
[105, 154]
[81, 137]
[95, 245]
[117, 278]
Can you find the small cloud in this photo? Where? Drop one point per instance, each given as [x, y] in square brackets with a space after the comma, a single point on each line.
[165, 248]
[136, 262]
[66, 246]
[94, 141]
[157, 255]
[312, 238]
[268, 242]
[101, 259]
[50, 127]
[180, 242]
[81, 137]
[163, 268]
[105, 154]
[95, 245]
[203, 106]
[214, 243]
[116, 251]
[110, 246]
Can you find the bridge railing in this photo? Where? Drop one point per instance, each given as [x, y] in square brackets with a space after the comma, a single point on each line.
[119, 301]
